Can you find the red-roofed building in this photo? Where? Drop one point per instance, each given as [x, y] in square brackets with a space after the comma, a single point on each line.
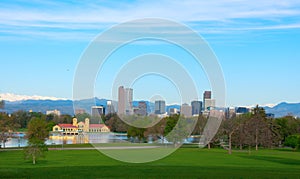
[73, 129]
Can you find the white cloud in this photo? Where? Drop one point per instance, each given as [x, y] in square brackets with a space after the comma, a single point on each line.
[217, 16]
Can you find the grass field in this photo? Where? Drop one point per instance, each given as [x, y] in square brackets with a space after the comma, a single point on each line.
[184, 163]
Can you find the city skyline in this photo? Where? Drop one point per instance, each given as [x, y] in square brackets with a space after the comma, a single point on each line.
[14, 97]
[256, 44]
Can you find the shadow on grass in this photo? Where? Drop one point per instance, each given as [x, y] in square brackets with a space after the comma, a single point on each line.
[278, 160]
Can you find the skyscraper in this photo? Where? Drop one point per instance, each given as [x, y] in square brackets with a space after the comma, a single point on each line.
[186, 110]
[196, 107]
[206, 95]
[206, 100]
[121, 100]
[160, 107]
[125, 96]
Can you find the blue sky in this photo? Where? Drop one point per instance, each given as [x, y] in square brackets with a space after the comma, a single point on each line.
[256, 43]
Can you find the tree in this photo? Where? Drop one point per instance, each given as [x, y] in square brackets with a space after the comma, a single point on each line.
[255, 128]
[239, 137]
[201, 122]
[7, 125]
[258, 124]
[288, 125]
[156, 131]
[116, 124]
[178, 128]
[292, 141]
[136, 132]
[36, 135]
[22, 118]
[229, 127]
[171, 123]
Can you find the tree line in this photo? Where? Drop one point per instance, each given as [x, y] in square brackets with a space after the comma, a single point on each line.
[255, 130]
[251, 130]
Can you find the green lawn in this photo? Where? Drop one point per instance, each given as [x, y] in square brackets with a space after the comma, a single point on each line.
[184, 163]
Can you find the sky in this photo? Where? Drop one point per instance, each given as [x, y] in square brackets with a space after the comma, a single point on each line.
[257, 45]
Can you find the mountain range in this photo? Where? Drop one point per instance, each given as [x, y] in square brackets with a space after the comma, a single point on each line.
[283, 109]
[66, 106]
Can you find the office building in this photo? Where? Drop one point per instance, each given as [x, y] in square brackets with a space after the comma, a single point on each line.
[196, 107]
[160, 107]
[230, 112]
[186, 110]
[142, 108]
[125, 96]
[53, 112]
[173, 111]
[109, 107]
[97, 111]
[209, 104]
[242, 110]
[207, 95]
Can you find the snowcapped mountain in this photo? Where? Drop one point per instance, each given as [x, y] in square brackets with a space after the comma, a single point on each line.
[15, 97]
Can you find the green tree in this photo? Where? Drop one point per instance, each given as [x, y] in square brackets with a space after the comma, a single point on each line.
[22, 118]
[136, 132]
[171, 123]
[36, 135]
[178, 128]
[256, 127]
[7, 126]
[157, 131]
[292, 141]
[288, 125]
[116, 124]
[201, 122]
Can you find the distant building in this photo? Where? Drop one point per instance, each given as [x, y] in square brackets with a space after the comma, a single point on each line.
[135, 111]
[196, 107]
[173, 111]
[109, 107]
[160, 107]
[242, 110]
[270, 115]
[230, 113]
[209, 104]
[97, 111]
[75, 128]
[53, 112]
[207, 100]
[125, 97]
[186, 110]
[79, 111]
[206, 95]
[142, 108]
